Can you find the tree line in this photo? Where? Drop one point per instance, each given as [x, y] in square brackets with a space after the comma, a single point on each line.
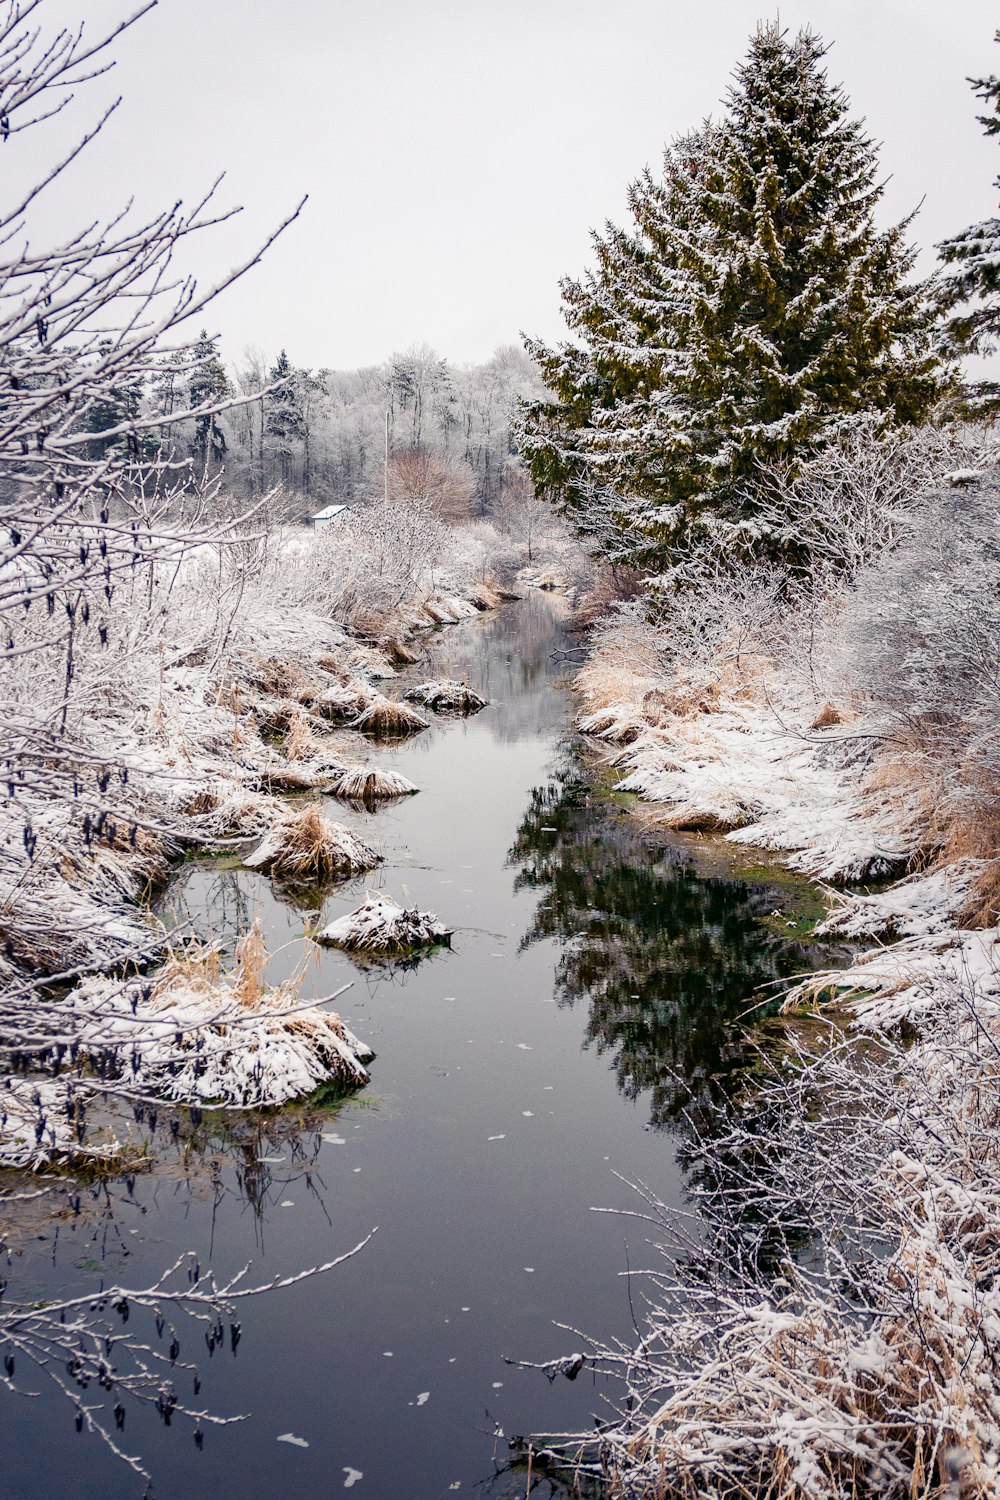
[413, 427]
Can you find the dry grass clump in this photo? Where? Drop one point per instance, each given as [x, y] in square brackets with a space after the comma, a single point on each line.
[446, 697]
[308, 848]
[199, 1035]
[301, 741]
[202, 802]
[281, 679]
[828, 1328]
[381, 928]
[372, 784]
[399, 653]
[344, 701]
[387, 718]
[335, 667]
[972, 833]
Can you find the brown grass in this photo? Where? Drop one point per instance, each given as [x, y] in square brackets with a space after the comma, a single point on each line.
[609, 586]
[308, 848]
[202, 802]
[386, 718]
[399, 653]
[974, 834]
[282, 679]
[251, 961]
[301, 741]
[371, 784]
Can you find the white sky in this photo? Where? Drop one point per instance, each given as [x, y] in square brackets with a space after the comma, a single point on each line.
[456, 152]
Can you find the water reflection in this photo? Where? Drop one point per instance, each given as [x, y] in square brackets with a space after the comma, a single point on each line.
[666, 959]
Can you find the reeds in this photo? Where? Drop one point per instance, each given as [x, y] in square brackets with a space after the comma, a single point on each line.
[308, 848]
[388, 719]
[197, 1034]
[446, 696]
[372, 784]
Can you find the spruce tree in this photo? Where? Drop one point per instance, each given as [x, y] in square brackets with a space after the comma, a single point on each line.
[208, 383]
[975, 257]
[120, 401]
[283, 415]
[753, 307]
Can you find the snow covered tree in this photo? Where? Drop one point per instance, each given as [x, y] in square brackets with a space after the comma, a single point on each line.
[753, 308]
[283, 415]
[975, 257]
[208, 386]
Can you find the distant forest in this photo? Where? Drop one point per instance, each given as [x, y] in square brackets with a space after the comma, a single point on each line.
[324, 436]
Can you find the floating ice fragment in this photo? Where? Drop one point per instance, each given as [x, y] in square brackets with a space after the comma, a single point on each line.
[523, 1047]
[287, 1203]
[387, 1354]
[496, 1137]
[530, 1270]
[424, 1397]
[335, 1140]
[289, 1437]
[498, 1385]
[466, 1309]
[528, 1113]
[353, 1475]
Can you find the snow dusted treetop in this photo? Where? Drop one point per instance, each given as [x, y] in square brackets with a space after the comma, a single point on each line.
[975, 255]
[754, 307]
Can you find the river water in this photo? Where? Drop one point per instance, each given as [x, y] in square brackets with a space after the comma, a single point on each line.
[594, 978]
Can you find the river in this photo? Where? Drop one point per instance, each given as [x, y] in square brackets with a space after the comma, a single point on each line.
[519, 1078]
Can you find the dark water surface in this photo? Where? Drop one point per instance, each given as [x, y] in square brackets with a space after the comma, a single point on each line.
[515, 1077]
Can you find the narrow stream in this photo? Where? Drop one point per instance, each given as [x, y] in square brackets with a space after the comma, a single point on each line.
[593, 977]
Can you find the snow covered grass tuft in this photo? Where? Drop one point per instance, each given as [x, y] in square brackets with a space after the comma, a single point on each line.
[386, 718]
[446, 697]
[372, 784]
[381, 928]
[307, 848]
[197, 1035]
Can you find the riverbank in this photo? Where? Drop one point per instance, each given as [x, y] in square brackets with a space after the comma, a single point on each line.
[828, 1328]
[198, 748]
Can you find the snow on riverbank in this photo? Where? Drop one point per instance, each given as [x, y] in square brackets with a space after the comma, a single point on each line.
[188, 741]
[829, 1327]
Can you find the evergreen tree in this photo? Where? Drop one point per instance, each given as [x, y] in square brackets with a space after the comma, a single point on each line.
[208, 382]
[753, 307]
[975, 256]
[283, 415]
[119, 401]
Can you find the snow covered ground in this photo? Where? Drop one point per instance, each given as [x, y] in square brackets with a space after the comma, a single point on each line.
[829, 1327]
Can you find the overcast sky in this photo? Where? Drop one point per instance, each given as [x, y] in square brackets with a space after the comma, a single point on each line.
[457, 152]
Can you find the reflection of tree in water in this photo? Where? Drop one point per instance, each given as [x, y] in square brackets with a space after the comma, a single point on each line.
[667, 960]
